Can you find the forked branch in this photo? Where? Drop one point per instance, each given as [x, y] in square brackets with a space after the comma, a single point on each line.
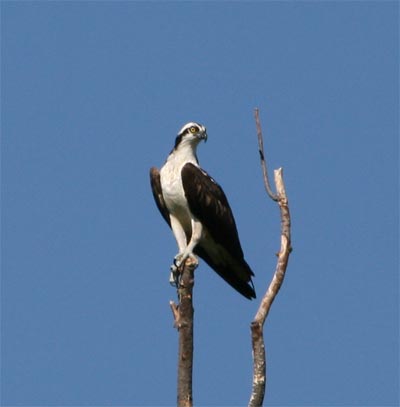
[259, 358]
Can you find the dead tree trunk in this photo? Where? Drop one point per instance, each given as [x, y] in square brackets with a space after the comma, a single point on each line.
[183, 315]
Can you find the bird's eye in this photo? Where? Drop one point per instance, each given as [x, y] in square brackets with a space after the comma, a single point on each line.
[193, 129]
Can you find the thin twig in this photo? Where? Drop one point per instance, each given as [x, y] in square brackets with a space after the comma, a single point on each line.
[262, 156]
[259, 354]
[183, 317]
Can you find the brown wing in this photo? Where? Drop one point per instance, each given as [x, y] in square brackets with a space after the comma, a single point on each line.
[157, 193]
[208, 203]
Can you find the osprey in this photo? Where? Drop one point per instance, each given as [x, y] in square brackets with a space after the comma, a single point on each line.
[198, 212]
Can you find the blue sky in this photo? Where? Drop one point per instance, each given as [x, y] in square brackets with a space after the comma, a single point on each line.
[92, 95]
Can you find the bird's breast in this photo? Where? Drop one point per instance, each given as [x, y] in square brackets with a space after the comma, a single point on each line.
[172, 188]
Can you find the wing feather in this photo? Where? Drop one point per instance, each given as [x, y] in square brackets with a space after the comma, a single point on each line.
[208, 203]
[158, 195]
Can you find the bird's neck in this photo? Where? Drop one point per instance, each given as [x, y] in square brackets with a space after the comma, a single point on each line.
[184, 153]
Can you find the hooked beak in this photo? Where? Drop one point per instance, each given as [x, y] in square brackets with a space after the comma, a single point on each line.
[203, 136]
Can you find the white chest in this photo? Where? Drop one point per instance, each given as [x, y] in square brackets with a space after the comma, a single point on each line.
[171, 184]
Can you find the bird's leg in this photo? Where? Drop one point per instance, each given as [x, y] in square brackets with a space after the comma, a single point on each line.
[185, 250]
[179, 261]
[180, 237]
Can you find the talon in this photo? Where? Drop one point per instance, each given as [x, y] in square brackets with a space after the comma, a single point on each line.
[179, 260]
[174, 277]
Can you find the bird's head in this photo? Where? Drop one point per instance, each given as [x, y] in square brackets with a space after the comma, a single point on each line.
[191, 133]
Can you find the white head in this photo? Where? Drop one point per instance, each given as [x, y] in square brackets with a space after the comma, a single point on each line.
[191, 134]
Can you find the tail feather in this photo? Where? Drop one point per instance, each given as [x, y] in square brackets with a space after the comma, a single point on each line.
[235, 272]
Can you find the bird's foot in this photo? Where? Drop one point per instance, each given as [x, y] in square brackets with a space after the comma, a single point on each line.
[176, 268]
[174, 275]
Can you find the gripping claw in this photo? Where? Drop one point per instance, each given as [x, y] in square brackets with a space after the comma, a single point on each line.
[174, 275]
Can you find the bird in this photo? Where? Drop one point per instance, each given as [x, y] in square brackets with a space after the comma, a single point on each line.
[197, 210]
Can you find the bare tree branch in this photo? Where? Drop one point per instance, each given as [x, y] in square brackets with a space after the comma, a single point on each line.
[262, 157]
[259, 354]
[183, 316]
